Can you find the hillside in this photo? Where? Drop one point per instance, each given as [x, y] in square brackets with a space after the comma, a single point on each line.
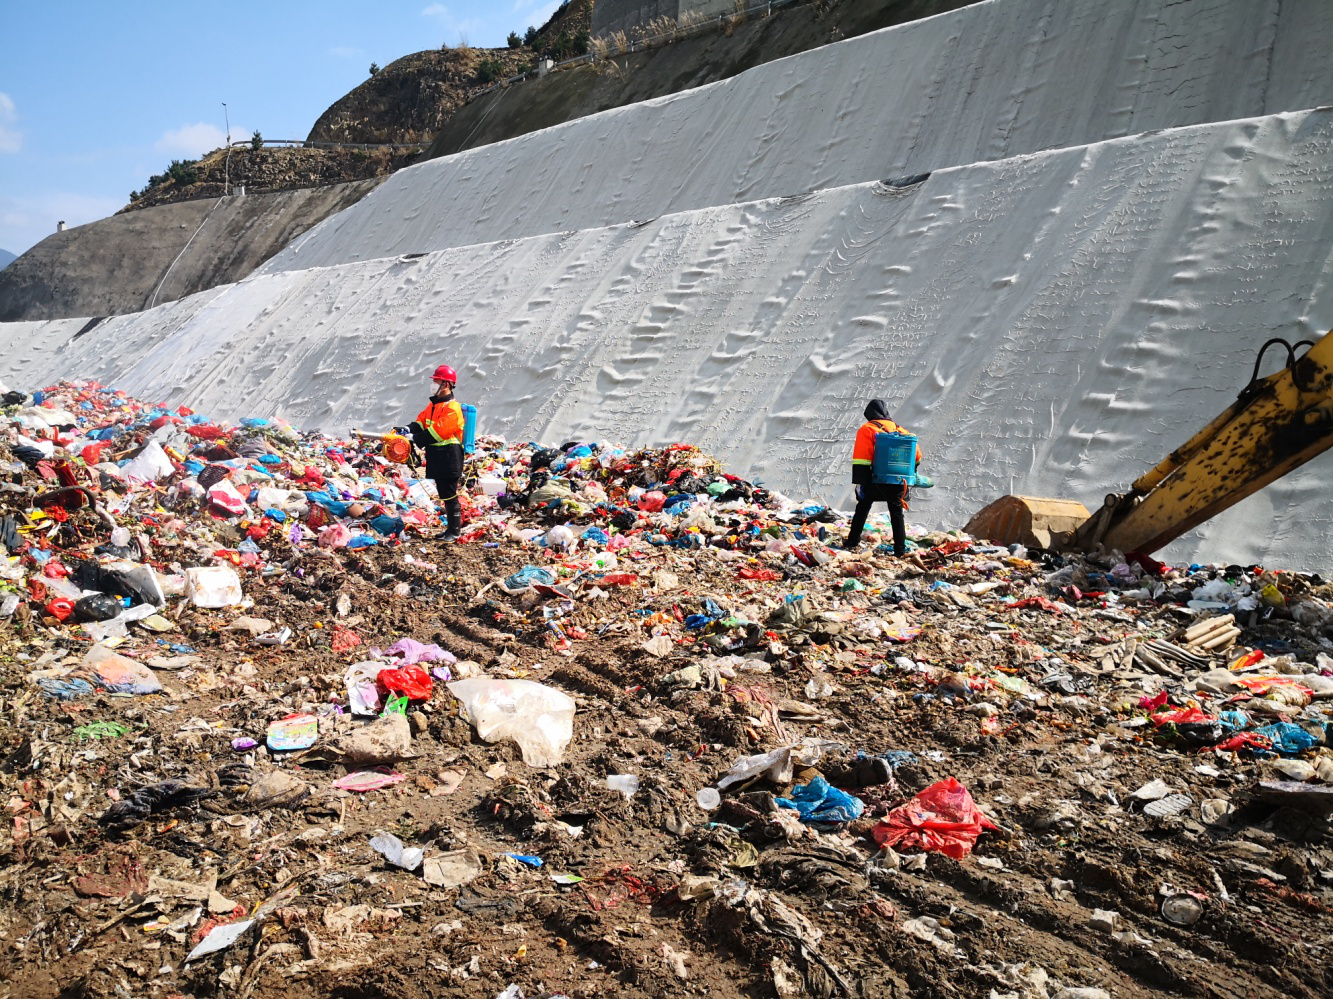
[412, 98]
[135, 259]
[271, 169]
[400, 103]
[709, 54]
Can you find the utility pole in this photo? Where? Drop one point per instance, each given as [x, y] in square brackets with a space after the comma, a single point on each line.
[226, 165]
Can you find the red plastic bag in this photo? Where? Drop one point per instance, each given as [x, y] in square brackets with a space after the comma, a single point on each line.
[1244, 740]
[767, 575]
[344, 640]
[1042, 602]
[1182, 716]
[618, 579]
[411, 681]
[652, 501]
[60, 608]
[942, 819]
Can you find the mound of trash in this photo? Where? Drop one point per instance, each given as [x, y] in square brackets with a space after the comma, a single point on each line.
[646, 730]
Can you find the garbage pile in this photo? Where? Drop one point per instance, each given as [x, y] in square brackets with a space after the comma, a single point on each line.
[646, 730]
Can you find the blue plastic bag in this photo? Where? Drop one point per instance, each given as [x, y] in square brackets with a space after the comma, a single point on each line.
[818, 802]
[528, 576]
[384, 524]
[335, 506]
[1288, 738]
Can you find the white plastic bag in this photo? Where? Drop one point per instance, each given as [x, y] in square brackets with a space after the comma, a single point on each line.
[776, 765]
[100, 631]
[537, 718]
[149, 465]
[363, 694]
[213, 586]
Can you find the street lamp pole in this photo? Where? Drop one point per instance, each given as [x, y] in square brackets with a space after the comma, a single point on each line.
[226, 165]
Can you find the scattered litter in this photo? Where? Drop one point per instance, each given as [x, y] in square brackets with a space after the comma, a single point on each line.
[368, 780]
[296, 731]
[393, 850]
[537, 718]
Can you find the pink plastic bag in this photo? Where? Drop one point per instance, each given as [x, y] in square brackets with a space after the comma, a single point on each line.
[335, 536]
[652, 501]
[368, 780]
[942, 819]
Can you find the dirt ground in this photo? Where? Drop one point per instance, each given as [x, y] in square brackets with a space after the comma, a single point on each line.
[824, 914]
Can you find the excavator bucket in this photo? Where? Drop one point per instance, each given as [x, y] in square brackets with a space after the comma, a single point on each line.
[1027, 520]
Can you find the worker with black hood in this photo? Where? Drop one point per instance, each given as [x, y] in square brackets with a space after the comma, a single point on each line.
[868, 492]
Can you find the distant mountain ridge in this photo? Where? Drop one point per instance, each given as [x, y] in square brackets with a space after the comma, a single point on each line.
[7, 258]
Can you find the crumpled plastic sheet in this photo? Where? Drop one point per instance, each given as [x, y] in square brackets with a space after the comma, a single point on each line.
[411, 651]
[529, 575]
[943, 818]
[151, 800]
[818, 802]
[64, 689]
[1288, 738]
[776, 765]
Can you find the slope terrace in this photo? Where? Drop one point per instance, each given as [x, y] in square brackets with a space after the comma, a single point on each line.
[1051, 323]
[982, 83]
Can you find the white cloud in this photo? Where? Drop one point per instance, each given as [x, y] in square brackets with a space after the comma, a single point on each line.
[25, 221]
[453, 26]
[193, 141]
[11, 139]
[537, 13]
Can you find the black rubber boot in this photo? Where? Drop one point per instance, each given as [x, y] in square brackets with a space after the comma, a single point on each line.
[454, 511]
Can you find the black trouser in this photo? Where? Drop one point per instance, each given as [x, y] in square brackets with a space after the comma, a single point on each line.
[893, 496]
[444, 466]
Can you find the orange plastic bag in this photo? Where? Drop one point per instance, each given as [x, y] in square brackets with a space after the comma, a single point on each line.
[941, 819]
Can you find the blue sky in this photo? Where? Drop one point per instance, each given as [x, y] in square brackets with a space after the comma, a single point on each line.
[96, 96]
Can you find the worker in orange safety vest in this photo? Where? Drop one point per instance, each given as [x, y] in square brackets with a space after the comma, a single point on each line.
[867, 492]
[438, 430]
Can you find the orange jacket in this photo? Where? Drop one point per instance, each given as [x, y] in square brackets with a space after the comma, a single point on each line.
[863, 451]
[443, 422]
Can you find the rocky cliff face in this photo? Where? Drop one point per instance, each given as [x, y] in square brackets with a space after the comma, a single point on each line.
[410, 99]
[134, 260]
[266, 170]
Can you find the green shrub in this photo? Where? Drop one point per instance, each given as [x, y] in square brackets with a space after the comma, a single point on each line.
[182, 172]
[513, 40]
[256, 141]
[489, 70]
[374, 68]
[530, 39]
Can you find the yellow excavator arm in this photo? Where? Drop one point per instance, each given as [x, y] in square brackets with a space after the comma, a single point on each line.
[1276, 424]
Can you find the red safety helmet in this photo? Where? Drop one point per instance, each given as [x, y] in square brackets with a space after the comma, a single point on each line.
[444, 373]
